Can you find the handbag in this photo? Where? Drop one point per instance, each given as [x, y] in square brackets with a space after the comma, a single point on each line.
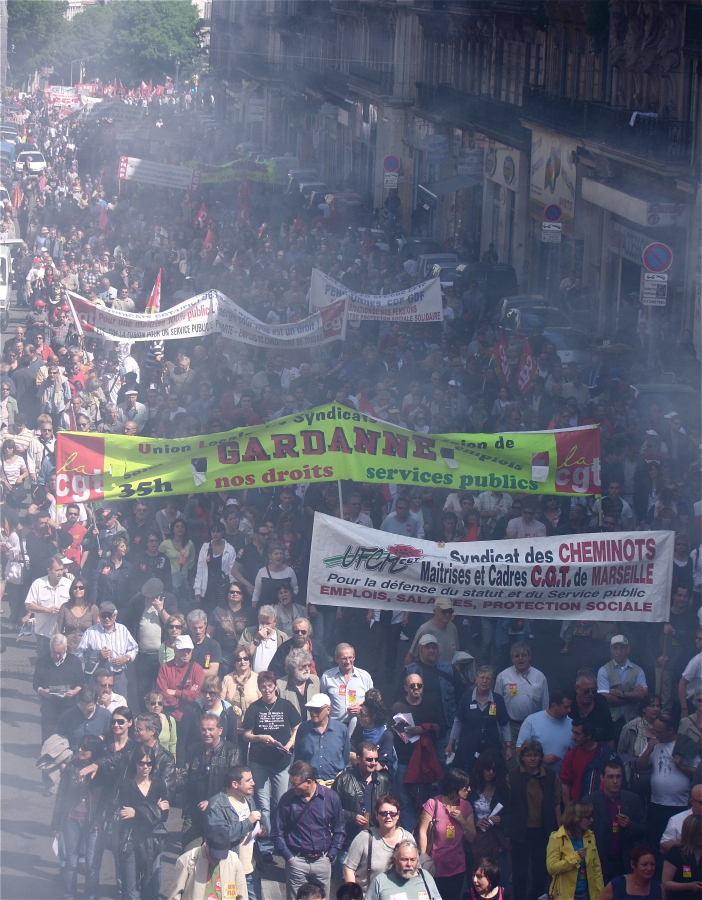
[425, 860]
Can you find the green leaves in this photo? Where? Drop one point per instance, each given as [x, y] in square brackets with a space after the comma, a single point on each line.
[132, 40]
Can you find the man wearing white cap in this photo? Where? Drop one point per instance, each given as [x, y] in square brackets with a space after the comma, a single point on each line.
[321, 741]
[622, 683]
[132, 411]
[441, 627]
[179, 680]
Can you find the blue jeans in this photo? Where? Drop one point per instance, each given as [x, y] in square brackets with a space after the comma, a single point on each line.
[270, 786]
[253, 885]
[136, 887]
[79, 836]
[411, 797]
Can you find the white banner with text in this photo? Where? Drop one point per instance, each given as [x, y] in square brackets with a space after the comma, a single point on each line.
[421, 303]
[205, 314]
[624, 576]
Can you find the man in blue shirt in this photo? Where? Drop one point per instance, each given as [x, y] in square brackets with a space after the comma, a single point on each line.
[86, 718]
[321, 741]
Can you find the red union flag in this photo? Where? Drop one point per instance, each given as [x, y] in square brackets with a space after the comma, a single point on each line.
[500, 355]
[208, 247]
[154, 304]
[203, 217]
[527, 368]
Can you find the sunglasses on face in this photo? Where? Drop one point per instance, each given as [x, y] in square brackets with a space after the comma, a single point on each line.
[386, 814]
[145, 762]
[211, 693]
[119, 721]
[299, 631]
[588, 690]
[155, 702]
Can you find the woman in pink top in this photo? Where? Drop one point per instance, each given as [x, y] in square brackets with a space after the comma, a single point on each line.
[453, 821]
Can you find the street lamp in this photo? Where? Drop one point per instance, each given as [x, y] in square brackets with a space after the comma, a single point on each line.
[177, 73]
[84, 59]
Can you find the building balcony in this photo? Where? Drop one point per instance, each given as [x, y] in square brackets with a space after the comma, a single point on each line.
[371, 81]
[495, 119]
[658, 139]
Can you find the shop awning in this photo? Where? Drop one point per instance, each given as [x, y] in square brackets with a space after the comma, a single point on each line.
[435, 189]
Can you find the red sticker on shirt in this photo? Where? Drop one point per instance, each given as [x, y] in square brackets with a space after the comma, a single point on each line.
[106, 570]
[687, 871]
[342, 690]
[218, 885]
[137, 539]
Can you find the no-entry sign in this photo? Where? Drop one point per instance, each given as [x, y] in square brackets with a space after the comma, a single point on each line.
[657, 257]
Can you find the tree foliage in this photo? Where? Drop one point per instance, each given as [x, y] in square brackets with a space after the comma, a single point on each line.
[131, 40]
[31, 26]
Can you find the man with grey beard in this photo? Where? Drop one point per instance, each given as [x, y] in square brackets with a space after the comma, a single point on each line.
[406, 878]
[300, 684]
[301, 640]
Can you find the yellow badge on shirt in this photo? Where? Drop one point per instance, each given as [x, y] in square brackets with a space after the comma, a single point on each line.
[513, 690]
[493, 709]
[230, 889]
[450, 832]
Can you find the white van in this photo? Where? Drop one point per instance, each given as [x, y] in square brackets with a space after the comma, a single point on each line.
[5, 284]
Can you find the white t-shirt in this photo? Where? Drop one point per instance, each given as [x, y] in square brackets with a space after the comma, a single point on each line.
[264, 654]
[669, 786]
[693, 675]
[246, 847]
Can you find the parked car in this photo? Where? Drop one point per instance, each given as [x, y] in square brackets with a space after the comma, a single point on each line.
[297, 176]
[414, 247]
[378, 236]
[427, 261]
[521, 301]
[494, 280]
[445, 273]
[36, 161]
[671, 397]
[547, 323]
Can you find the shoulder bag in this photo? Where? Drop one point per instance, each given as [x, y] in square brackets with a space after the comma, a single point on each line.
[425, 860]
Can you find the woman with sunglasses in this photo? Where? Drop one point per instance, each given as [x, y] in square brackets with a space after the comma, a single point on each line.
[168, 738]
[223, 627]
[370, 852]
[143, 811]
[571, 856]
[77, 614]
[175, 626]
[488, 787]
[240, 687]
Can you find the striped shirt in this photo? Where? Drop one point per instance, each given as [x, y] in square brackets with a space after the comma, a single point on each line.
[310, 827]
[119, 640]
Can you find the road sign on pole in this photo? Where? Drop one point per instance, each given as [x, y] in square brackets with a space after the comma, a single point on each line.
[391, 164]
[551, 232]
[552, 213]
[390, 180]
[657, 257]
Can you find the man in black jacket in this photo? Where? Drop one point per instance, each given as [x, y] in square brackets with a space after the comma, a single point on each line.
[204, 775]
[359, 787]
[57, 679]
[619, 823]
[301, 640]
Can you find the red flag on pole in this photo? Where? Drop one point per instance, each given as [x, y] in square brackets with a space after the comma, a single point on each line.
[154, 302]
[367, 241]
[243, 218]
[104, 221]
[527, 368]
[17, 197]
[150, 88]
[297, 227]
[499, 354]
[244, 193]
[208, 251]
[203, 217]
[262, 229]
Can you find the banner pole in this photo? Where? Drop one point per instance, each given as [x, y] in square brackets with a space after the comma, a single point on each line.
[341, 500]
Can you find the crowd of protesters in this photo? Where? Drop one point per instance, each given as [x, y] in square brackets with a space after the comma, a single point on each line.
[178, 662]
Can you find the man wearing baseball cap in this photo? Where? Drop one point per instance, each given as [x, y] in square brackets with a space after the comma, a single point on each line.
[211, 870]
[622, 683]
[179, 680]
[439, 626]
[108, 645]
[322, 741]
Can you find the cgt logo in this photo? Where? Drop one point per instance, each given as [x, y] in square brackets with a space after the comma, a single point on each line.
[80, 467]
[578, 462]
